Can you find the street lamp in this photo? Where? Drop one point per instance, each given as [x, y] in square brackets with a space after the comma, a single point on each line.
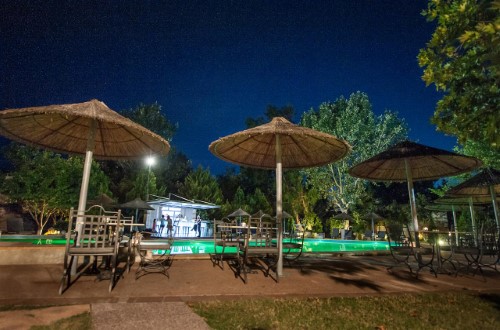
[150, 161]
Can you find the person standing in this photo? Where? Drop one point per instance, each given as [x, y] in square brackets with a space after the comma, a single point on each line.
[162, 224]
[153, 230]
[198, 225]
[169, 226]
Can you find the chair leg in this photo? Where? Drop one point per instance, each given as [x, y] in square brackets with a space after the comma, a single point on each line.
[113, 273]
[66, 278]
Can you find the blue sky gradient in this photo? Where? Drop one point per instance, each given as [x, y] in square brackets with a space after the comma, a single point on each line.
[212, 64]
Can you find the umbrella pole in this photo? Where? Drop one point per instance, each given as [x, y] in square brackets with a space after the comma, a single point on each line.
[279, 205]
[473, 220]
[85, 184]
[413, 207]
[373, 229]
[455, 223]
[495, 206]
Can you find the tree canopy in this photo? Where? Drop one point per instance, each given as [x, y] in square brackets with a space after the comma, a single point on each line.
[462, 60]
[354, 121]
[47, 184]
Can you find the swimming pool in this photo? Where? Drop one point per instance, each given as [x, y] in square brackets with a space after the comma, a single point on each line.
[206, 246]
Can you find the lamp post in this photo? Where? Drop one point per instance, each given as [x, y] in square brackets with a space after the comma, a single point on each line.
[150, 161]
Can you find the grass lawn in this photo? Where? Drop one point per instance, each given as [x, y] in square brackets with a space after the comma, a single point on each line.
[410, 311]
[456, 310]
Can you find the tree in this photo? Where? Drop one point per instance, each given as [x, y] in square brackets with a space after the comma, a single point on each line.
[483, 151]
[258, 201]
[462, 59]
[46, 184]
[151, 117]
[201, 185]
[128, 177]
[354, 121]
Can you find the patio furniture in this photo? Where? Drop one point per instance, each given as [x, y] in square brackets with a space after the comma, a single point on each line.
[335, 233]
[175, 227]
[154, 254]
[294, 244]
[348, 234]
[258, 252]
[226, 242]
[405, 253]
[127, 224]
[380, 236]
[368, 235]
[478, 251]
[100, 237]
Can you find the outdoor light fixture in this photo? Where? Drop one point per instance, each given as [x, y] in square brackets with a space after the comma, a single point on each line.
[150, 161]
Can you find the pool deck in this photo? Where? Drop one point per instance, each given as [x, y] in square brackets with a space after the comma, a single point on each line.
[197, 279]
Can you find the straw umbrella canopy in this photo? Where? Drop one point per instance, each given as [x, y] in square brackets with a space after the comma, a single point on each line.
[409, 161]
[103, 200]
[238, 213]
[276, 145]
[89, 128]
[460, 203]
[486, 184]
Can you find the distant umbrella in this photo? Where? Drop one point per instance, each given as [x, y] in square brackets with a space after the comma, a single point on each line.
[373, 217]
[136, 204]
[276, 145]
[238, 213]
[409, 161]
[343, 216]
[485, 184]
[103, 200]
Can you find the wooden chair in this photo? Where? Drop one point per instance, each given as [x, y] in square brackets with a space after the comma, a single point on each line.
[259, 251]
[100, 234]
[125, 234]
[226, 243]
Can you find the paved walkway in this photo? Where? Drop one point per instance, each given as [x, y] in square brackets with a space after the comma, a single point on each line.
[155, 299]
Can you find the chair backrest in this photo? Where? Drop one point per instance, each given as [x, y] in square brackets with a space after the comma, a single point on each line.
[97, 230]
[490, 240]
[263, 236]
[335, 233]
[381, 234]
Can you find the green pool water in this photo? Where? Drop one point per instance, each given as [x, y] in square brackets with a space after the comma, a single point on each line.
[202, 246]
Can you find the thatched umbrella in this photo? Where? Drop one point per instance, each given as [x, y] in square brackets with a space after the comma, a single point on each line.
[89, 128]
[103, 199]
[461, 203]
[409, 161]
[136, 204]
[239, 213]
[276, 145]
[372, 216]
[486, 184]
[259, 215]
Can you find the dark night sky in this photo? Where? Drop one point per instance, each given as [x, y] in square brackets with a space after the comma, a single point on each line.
[212, 64]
